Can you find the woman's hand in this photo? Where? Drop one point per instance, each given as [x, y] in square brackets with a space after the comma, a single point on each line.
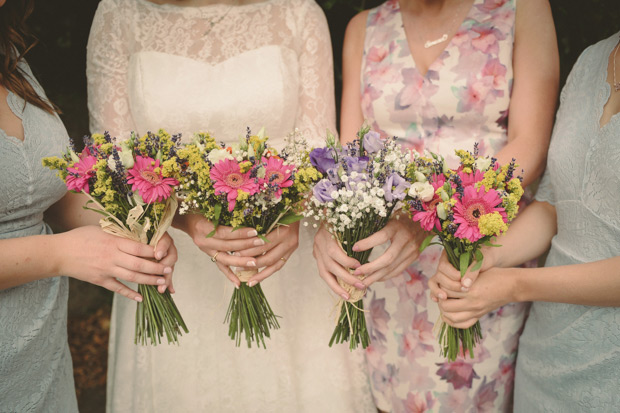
[220, 246]
[405, 237]
[272, 256]
[494, 288]
[166, 254]
[447, 281]
[333, 263]
[91, 255]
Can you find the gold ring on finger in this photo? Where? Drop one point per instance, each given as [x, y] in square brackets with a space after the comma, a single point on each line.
[283, 259]
[214, 258]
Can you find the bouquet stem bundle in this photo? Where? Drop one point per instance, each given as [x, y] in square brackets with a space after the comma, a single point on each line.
[351, 323]
[157, 315]
[249, 312]
[452, 339]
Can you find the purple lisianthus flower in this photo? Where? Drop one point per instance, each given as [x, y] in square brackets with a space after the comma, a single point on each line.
[373, 142]
[395, 187]
[356, 164]
[322, 159]
[323, 190]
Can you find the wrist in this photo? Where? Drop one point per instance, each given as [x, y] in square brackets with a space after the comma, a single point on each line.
[55, 246]
[516, 285]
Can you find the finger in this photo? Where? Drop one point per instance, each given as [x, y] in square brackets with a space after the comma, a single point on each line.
[135, 248]
[274, 255]
[228, 245]
[379, 263]
[229, 274]
[447, 283]
[229, 260]
[162, 247]
[138, 277]
[228, 233]
[141, 265]
[120, 288]
[267, 272]
[380, 237]
[436, 292]
[331, 282]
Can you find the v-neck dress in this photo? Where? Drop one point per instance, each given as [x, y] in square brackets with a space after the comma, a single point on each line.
[36, 373]
[462, 99]
[569, 355]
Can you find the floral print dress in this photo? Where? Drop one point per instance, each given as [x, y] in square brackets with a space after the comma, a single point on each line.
[462, 99]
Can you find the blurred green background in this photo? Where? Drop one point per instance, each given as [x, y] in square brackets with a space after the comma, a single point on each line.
[59, 62]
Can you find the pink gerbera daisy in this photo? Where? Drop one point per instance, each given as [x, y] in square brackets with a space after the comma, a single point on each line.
[146, 179]
[277, 174]
[228, 179]
[474, 204]
[470, 179]
[81, 172]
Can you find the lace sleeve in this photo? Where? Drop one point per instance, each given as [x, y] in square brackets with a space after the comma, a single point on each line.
[106, 70]
[317, 107]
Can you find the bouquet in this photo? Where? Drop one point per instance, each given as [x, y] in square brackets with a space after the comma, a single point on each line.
[464, 208]
[361, 186]
[131, 183]
[248, 184]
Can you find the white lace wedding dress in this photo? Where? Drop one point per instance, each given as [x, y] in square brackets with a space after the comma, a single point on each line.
[221, 68]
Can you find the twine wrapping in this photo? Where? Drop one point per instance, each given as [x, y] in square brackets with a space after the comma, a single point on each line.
[245, 275]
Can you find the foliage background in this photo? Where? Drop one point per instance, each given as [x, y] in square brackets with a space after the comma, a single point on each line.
[59, 62]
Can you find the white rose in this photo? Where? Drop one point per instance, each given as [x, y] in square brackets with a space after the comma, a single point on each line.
[419, 177]
[422, 190]
[217, 155]
[482, 164]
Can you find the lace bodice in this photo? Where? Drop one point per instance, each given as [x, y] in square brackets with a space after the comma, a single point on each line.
[183, 68]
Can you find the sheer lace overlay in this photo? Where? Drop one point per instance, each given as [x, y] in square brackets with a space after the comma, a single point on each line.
[266, 64]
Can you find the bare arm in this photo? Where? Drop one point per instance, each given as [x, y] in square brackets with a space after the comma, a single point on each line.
[535, 89]
[351, 117]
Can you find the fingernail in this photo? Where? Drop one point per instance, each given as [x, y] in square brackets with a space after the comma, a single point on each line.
[168, 270]
[161, 281]
[236, 286]
[162, 290]
[159, 255]
[252, 264]
[360, 286]
[237, 254]
[358, 272]
[252, 233]
[259, 242]
[138, 298]
[355, 248]
[442, 296]
[252, 283]
[467, 282]
[434, 298]
[344, 296]
[464, 289]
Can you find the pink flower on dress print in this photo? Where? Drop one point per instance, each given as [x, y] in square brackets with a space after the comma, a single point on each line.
[277, 174]
[497, 71]
[147, 180]
[484, 400]
[228, 179]
[379, 318]
[459, 373]
[474, 204]
[475, 95]
[419, 403]
[81, 172]
[376, 54]
[454, 401]
[487, 40]
[415, 285]
[418, 339]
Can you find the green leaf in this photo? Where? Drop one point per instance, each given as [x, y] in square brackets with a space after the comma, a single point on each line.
[212, 233]
[290, 218]
[218, 211]
[464, 263]
[426, 242]
[489, 244]
[263, 238]
[479, 258]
